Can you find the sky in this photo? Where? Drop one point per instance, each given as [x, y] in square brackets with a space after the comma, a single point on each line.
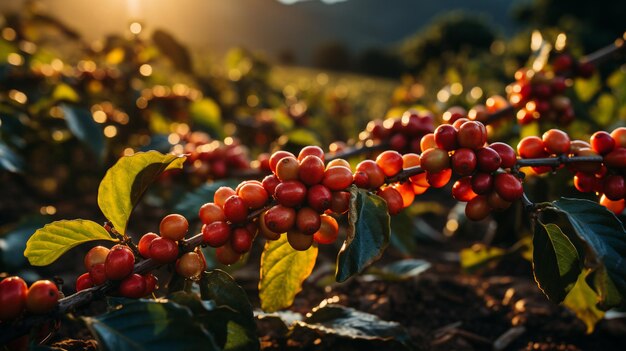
[268, 25]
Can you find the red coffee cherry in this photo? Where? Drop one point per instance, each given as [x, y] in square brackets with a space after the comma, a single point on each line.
[95, 255]
[144, 244]
[508, 186]
[216, 234]
[119, 262]
[614, 187]
[463, 162]
[406, 191]
[210, 213]
[428, 142]
[290, 193]
[453, 114]
[318, 197]
[328, 232]
[265, 231]
[619, 135]
[482, 183]
[221, 194]
[241, 240]
[507, 154]
[311, 151]
[556, 142]
[340, 202]
[173, 227]
[307, 220]
[189, 265]
[390, 162]
[616, 158]
[585, 182]
[235, 209]
[277, 156]
[361, 180]
[531, 147]
[477, 209]
[287, 169]
[392, 197]
[280, 219]
[435, 160]
[163, 250]
[13, 291]
[253, 195]
[616, 207]
[446, 137]
[226, 255]
[133, 286]
[98, 274]
[42, 297]
[338, 162]
[602, 142]
[496, 202]
[151, 283]
[299, 241]
[472, 135]
[487, 159]
[84, 282]
[439, 179]
[374, 173]
[270, 182]
[337, 178]
[311, 170]
[462, 189]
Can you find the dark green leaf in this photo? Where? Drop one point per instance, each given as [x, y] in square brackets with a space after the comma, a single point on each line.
[9, 160]
[348, 323]
[556, 264]
[150, 325]
[13, 243]
[367, 235]
[190, 203]
[82, 125]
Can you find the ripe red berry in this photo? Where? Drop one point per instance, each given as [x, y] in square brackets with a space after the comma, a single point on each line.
[210, 212]
[477, 209]
[585, 182]
[446, 137]
[602, 142]
[151, 283]
[428, 142]
[439, 179]
[390, 162]
[463, 162]
[338, 162]
[472, 135]
[174, 227]
[619, 135]
[221, 194]
[616, 158]
[144, 244]
[487, 159]
[133, 286]
[361, 180]
[507, 154]
[98, 274]
[253, 195]
[392, 197]
[398, 142]
[482, 183]
[435, 160]
[299, 241]
[216, 234]
[374, 173]
[406, 191]
[329, 229]
[280, 219]
[84, 282]
[95, 255]
[307, 220]
[318, 197]
[340, 202]
[277, 156]
[270, 182]
[287, 169]
[226, 255]
[189, 265]
[42, 297]
[337, 178]
[13, 291]
[235, 209]
[508, 186]
[311, 170]
[531, 147]
[614, 187]
[119, 262]
[291, 193]
[496, 202]
[462, 189]
[241, 240]
[163, 250]
[265, 231]
[556, 142]
[616, 207]
[311, 151]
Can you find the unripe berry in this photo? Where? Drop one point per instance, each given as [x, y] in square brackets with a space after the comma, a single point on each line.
[428, 142]
[210, 213]
[221, 194]
[374, 173]
[445, 137]
[392, 197]
[472, 135]
[287, 168]
[189, 265]
[307, 220]
[439, 179]
[119, 262]
[133, 286]
[253, 195]
[487, 159]
[235, 209]
[290, 193]
[299, 241]
[602, 142]
[477, 209]
[241, 240]
[337, 178]
[42, 297]
[435, 160]
[311, 151]
[280, 219]
[216, 234]
[340, 202]
[163, 250]
[311, 170]
[508, 186]
[390, 162]
[95, 255]
[463, 162]
[84, 282]
[507, 154]
[13, 291]
[226, 255]
[462, 189]
[277, 156]
[173, 227]
[318, 197]
[329, 229]
[338, 162]
[556, 142]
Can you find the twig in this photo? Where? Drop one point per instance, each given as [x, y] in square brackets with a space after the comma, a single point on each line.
[556, 161]
[605, 53]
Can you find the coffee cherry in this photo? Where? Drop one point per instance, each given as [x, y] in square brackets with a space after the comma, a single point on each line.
[531, 147]
[496, 202]
[602, 142]
[277, 156]
[507, 154]
[439, 179]
[270, 183]
[428, 142]
[616, 158]
[556, 142]
[319, 197]
[614, 187]
[328, 232]
[216, 234]
[173, 227]
[42, 297]
[95, 255]
[221, 194]
[361, 180]
[299, 241]
[462, 189]
[226, 255]
[463, 162]
[265, 231]
[311, 170]
[163, 250]
[280, 219]
[398, 142]
[307, 220]
[13, 291]
[619, 135]
[210, 212]
[337, 178]
[287, 169]
[508, 187]
[585, 182]
[453, 114]
[253, 195]
[374, 173]
[98, 274]
[446, 137]
[482, 183]
[616, 207]
[458, 123]
[390, 162]
[311, 151]
[340, 202]
[487, 159]
[435, 160]
[338, 162]
[84, 282]
[133, 286]
[190, 265]
[241, 240]
[392, 197]
[120, 262]
[472, 135]
[291, 193]
[477, 209]
[235, 209]
[406, 191]
[151, 283]
[144, 244]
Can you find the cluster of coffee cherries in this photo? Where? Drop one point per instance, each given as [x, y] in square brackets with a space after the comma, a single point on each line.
[403, 133]
[461, 148]
[16, 297]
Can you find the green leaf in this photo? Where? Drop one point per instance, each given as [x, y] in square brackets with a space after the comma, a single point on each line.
[479, 256]
[82, 125]
[302, 137]
[367, 235]
[604, 240]
[189, 204]
[356, 326]
[586, 88]
[125, 182]
[283, 270]
[56, 238]
[150, 325]
[207, 114]
[582, 301]
[13, 242]
[173, 50]
[64, 92]
[556, 264]
[220, 287]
